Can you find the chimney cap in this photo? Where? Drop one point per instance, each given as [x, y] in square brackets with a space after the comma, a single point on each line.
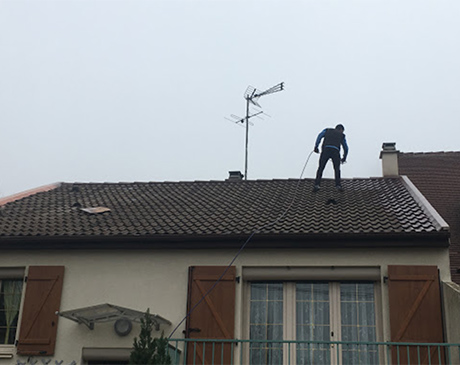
[235, 175]
[389, 146]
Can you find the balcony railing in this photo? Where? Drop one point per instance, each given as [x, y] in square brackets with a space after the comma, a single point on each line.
[259, 352]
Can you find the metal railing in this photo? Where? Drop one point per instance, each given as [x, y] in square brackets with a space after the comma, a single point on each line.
[261, 352]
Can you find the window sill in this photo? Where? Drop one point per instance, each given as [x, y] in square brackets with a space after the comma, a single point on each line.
[6, 351]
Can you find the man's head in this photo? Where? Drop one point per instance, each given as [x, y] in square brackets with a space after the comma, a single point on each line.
[340, 127]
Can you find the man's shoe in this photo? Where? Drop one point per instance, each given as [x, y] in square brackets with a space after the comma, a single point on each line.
[316, 188]
[339, 188]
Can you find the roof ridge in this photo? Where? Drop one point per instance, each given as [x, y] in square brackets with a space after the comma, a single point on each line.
[430, 153]
[26, 193]
[287, 179]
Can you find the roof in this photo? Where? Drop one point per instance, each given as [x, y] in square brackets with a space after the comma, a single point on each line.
[200, 210]
[437, 176]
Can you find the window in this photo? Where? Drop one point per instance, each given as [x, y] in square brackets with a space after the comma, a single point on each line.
[10, 300]
[312, 311]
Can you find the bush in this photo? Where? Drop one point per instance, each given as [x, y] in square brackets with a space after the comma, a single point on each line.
[149, 350]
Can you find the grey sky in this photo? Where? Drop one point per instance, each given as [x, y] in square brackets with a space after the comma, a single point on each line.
[138, 90]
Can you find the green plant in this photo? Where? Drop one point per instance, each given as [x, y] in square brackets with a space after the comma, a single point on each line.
[149, 350]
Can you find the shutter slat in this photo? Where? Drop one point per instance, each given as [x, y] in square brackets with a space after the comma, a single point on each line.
[396, 277]
[227, 276]
[35, 342]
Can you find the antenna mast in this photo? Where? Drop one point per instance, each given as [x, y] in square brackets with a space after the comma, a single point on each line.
[252, 95]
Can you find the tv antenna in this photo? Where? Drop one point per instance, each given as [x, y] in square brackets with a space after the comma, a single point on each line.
[252, 95]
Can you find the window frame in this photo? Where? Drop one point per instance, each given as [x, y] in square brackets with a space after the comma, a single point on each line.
[310, 274]
[13, 273]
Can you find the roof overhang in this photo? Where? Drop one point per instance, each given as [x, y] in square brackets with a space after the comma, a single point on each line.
[300, 240]
[101, 313]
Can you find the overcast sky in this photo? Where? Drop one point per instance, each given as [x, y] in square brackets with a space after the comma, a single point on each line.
[138, 90]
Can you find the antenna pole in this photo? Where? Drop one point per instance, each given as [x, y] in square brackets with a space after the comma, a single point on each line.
[247, 140]
[252, 95]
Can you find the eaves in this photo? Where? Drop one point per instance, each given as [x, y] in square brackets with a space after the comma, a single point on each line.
[258, 241]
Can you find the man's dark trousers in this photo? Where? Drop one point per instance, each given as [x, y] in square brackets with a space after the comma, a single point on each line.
[326, 154]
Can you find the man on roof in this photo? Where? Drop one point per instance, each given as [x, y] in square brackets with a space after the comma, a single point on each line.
[330, 149]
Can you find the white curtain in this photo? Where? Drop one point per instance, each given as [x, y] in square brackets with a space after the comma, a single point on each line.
[12, 290]
[312, 322]
[266, 323]
[357, 305]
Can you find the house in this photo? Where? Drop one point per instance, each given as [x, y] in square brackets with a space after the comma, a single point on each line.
[81, 262]
[437, 176]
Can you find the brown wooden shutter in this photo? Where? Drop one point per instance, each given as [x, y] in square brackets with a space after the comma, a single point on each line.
[415, 311]
[37, 335]
[214, 317]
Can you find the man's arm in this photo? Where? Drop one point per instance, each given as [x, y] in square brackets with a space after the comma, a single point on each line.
[318, 140]
[345, 149]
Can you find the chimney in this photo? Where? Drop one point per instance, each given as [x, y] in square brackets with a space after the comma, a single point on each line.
[389, 157]
[235, 176]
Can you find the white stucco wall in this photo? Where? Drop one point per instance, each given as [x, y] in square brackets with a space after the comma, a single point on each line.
[157, 279]
[451, 295]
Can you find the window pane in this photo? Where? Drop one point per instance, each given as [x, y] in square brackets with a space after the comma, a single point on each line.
[348, 292]
[275, 292]
[10, 300]
[275, 312]
[357, 306]
[312, 322]
[258, 312]
[258, 332]
[258, 291]
[349, 313]
[266, 323]
[366, 313]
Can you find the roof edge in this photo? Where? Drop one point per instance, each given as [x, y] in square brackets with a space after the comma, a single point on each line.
[429, 210]
[26, 193]
[430, 153]
[434, 239]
